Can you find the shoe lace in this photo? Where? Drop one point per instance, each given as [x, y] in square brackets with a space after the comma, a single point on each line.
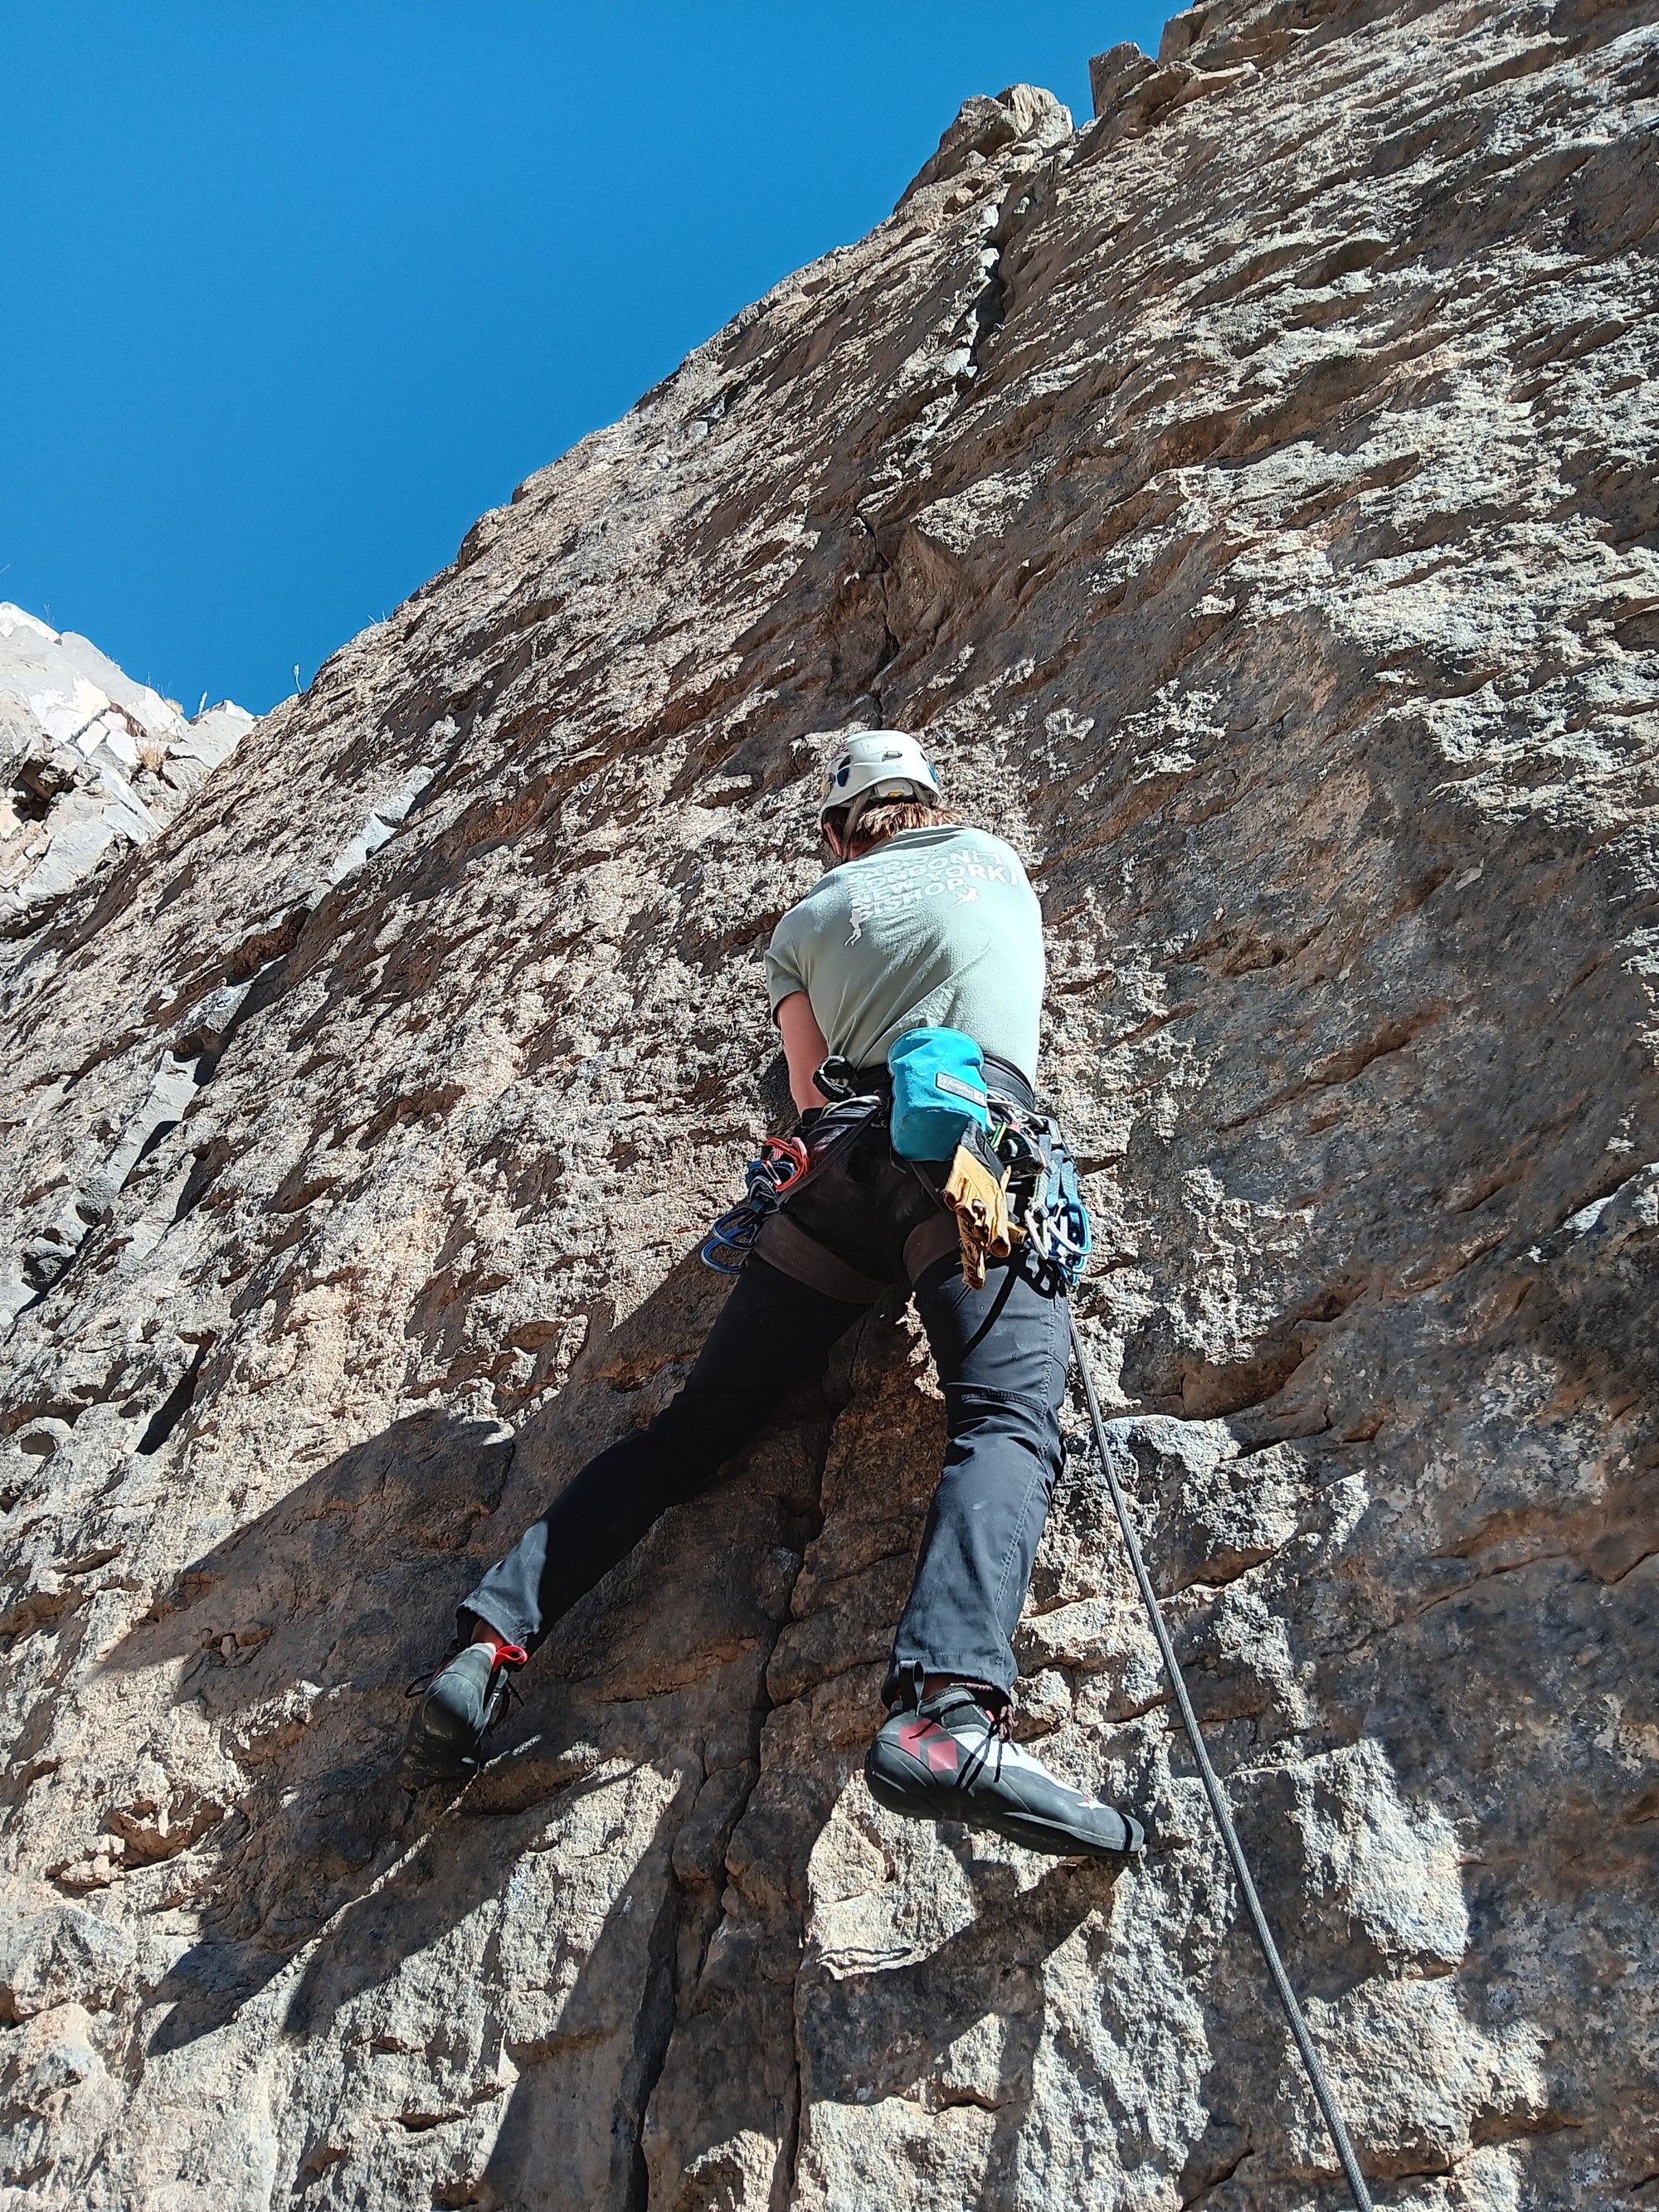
[506, 1661]
[422, 1681]
[999, 1730]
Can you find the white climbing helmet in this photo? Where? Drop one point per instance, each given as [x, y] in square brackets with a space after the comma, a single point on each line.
[871, 765]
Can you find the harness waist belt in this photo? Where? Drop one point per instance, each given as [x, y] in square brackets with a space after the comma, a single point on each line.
[877, 1080]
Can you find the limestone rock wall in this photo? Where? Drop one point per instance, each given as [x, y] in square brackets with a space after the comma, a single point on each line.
[91, 763]
[1252, 495]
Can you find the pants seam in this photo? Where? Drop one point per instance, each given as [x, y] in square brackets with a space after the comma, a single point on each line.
[1002, 1397]
[1032, 1482]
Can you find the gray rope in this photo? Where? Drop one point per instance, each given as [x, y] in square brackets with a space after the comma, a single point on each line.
[1304, 2043]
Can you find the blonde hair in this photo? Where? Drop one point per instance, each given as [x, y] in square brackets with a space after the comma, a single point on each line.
[890, 816]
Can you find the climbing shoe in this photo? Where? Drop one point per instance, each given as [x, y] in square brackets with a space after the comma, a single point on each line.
[950, 1759]
[460, 1703]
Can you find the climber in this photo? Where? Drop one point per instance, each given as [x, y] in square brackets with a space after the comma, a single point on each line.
[919, 923]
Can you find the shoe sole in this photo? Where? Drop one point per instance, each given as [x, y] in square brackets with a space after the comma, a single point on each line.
[426, 1760]
[421, 1773]
[429, 1755]
[1047, 1836]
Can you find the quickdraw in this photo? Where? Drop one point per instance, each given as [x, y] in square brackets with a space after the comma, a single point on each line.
[783, 1160]
[1044, 1203]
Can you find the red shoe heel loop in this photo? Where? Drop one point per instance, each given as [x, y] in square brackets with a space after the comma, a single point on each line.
[510, 1654]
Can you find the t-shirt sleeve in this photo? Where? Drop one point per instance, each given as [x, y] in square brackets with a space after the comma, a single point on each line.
[783, 968]
[1012, 862]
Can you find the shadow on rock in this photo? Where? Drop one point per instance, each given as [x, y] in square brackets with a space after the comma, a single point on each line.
[340, 1580]
[896, 2031]
[299, 1633]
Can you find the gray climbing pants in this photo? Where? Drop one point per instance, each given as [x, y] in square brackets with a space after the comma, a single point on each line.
[863, 1222]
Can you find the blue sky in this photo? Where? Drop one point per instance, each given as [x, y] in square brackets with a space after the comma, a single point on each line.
[294, 293]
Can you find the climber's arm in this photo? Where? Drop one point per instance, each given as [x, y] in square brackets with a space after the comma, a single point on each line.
[803, 1048]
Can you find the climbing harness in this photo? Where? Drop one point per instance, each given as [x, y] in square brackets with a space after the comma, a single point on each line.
[783, 1163]
[1213, 1790]
[1011, 1183]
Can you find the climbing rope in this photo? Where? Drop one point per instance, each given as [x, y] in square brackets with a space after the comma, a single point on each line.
[1287, 1998]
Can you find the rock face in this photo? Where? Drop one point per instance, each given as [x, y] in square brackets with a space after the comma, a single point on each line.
[91, 763]
[1252, 493]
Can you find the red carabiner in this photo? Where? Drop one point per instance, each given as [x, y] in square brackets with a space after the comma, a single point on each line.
[775, 1151]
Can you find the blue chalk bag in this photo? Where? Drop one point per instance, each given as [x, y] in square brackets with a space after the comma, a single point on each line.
[939, 1088]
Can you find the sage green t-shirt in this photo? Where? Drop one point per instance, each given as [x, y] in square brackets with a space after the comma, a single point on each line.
[934, 929]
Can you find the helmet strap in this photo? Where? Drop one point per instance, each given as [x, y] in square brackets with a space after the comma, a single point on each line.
[855, 814]
[874, 797]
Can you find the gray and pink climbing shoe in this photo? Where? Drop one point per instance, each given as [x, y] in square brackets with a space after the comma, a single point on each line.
[460, 1703]
[950, 1759]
